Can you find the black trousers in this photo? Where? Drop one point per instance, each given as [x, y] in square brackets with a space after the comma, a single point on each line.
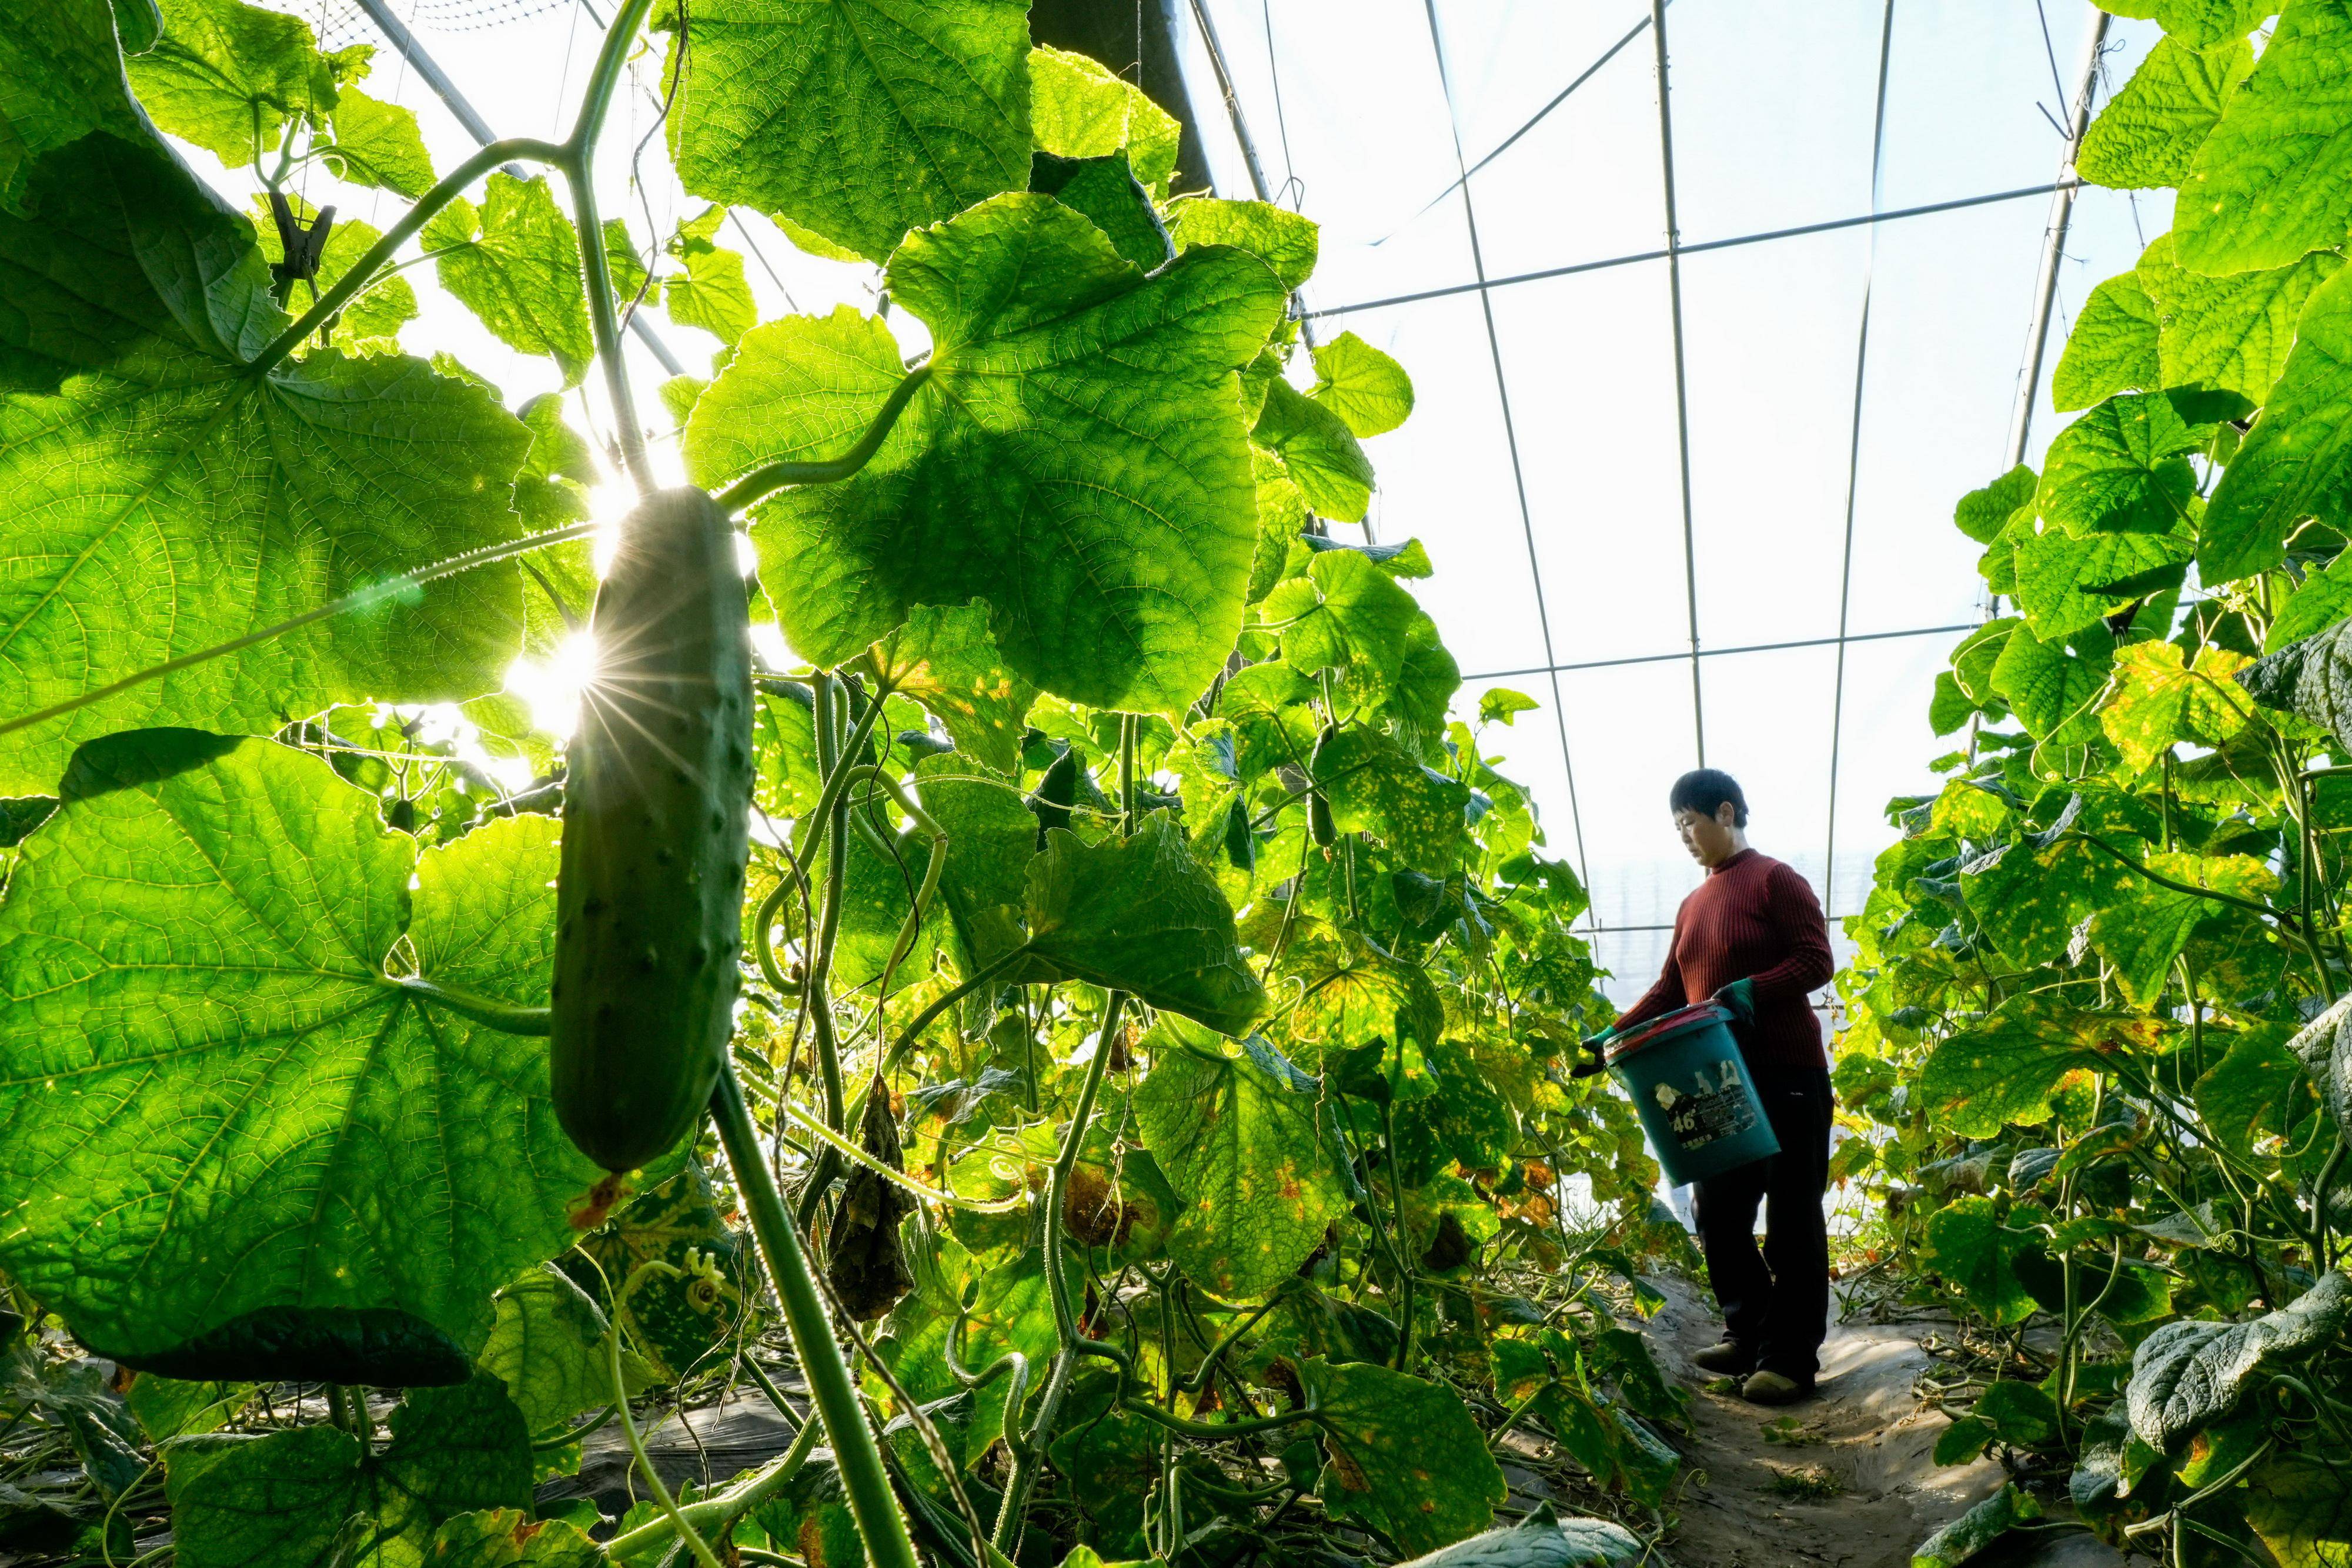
[1776, 1301]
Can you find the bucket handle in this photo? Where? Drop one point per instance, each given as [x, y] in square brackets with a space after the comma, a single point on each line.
[1595, 1045]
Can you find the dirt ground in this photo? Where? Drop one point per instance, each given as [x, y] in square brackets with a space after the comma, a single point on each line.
[1845, 1480]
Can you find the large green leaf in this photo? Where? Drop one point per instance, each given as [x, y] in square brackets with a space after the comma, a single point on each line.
[2149, 134]
[2120, 468]
[2233, 332]
[2297, 462]
[2187, 1376]
[1318, 451]
[2256, 1090]
[2004, 1069]
[1403, 1455]
[1141, 914]
[2048, 684]
[2160, 700]
[1968, 1245]
[378, 144]
[1368, 390]
[857, 118]
[1284, 240]
[229, 76]
[1346, 613]
[1076, 457]
[547, 1346]
[2141, 935]
[1374, 786]
[2301, 1505]
[2066, 583]
[2274, 181]
[1079, 110]
[60, 78]
[218, 1115]
[945, 659]
[159, 498]
[308, 1496]
[1236, 1135]
[1352, 992]
[712, 292]
[2113, 348]
[514, 261]
[2312, 679]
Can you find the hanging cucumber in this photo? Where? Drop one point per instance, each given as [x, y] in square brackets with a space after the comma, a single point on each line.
[1318, 801]
[656, 806]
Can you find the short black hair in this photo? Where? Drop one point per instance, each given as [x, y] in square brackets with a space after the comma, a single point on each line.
[1704, 790]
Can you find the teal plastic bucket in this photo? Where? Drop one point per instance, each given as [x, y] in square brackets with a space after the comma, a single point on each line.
[1691, 1086]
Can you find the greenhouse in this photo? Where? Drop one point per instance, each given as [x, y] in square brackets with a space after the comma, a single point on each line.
[1218, 783]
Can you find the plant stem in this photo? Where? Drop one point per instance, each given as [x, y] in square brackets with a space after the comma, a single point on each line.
[855, 1453]
[579, 165]
[668, 1504]
[716, 1513]
[505, 1016]
[362, 271]
[1073, 1343]
[760, 483]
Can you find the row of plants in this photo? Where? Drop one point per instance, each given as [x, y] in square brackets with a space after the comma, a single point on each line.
[2098, 1033]
[1085, 1042]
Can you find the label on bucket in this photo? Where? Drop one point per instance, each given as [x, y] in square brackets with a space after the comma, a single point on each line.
[1717, 1106]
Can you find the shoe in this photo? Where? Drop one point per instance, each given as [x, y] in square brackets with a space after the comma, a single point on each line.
[1770, 1388]
[1729, 1356]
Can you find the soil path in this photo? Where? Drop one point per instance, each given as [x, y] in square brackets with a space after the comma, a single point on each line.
[1847, 1480]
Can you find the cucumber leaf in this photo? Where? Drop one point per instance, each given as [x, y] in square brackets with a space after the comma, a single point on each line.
[2149, 134]
[1075, 456]
[1970, 1247]
[2113, 348]
[60, 78]
[1403, 1455]
[2297, 462]
[1368, 390]
[859, 120]
[1141, 914]
[1234, 1132]
[2190, 1374]
[160, 499]
[205, 1070]
[2274, 181]
[228, 77]
[1078, 109]
[514, 262]
[2234, 332]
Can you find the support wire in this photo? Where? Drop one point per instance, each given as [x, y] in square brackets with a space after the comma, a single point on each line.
[1682, 389]
[1511, 439]
[1829, 226]
[1854, 453]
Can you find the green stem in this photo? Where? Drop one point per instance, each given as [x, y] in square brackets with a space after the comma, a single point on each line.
[1154, 1413]
[1073, 1343]
[505, 1016]
[579, 165]
[716, 1513]
[855, 1454]
[762, 483]
[668, 1504]
[358, 599]
[1403, 1252]
[362, 271]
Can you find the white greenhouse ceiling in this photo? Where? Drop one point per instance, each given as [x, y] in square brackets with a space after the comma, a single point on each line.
[1834, 385]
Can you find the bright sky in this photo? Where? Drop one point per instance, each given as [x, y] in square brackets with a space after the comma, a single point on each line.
[1772, 104]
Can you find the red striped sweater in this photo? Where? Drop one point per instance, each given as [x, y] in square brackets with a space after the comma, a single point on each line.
[1753, 918]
